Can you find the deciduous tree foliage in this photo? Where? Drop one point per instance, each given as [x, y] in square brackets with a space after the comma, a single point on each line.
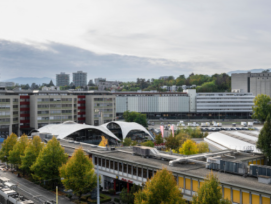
[189, 147]
[127, 141]
[31, 153]
[18, 150]
[51, 157]
[129, 197]
[203, 147]
[210, 192]
[172, 142]
[78, 173]
[148, 143]
[7, 146]
[158, 139]
[262, 107]
[135, 117]
[162, 188]
[264, 140]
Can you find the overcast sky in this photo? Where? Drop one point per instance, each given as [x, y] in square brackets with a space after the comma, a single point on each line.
[123, 40]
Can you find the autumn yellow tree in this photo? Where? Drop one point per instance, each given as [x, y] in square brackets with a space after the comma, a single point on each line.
[189, 147]
[160, 189]
[210, 192]
[7, 146]
[78, 173]
[31, 153]
[203, 147]
[18, 150]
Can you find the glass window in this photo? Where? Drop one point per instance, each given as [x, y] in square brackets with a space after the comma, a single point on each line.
[103, 164]
[134, 171]
[95, 161]
[116, 166]
[100, 162]
[150, 173]
[139, 171]
[120, 167]
[111, 165]
[129, 169]
[107, 163]
[125, 168]
[144, 173]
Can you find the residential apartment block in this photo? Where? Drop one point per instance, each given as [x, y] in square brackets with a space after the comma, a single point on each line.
[62, 79]
[79, 78]
[255, 83]
[24, 110]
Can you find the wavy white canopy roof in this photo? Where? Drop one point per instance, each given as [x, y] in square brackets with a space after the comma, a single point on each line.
[126, 127]
[65, 129]
[241, 142]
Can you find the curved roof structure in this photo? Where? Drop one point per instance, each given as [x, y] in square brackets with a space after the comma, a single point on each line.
[126, 127]
[65, 129]
[238, 140]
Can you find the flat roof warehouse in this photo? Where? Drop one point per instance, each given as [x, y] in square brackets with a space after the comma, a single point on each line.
[123, 164]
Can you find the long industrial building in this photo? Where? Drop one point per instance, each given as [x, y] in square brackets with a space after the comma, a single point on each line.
[242, 175]
[186, 105]
[255, 83]
[24, 110]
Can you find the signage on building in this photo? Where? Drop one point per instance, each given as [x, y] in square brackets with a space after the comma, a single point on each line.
[128, 181]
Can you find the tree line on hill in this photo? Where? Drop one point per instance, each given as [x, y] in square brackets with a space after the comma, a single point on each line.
[204, 83]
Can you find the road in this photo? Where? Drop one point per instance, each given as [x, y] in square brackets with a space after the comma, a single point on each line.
[32, 191]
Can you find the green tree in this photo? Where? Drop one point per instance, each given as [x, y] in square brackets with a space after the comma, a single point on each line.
[210, 192]
[172, 142]
[7, 146]
[161, 188]
[158, 139]
[31, 153]
[189, 147]
[203, 147]
[46, 166]
[129, 197]
[262, 107]
[78, 173]
[18, 150]
[148, 143]
[132, 116]
[127, 141]
[264, 140]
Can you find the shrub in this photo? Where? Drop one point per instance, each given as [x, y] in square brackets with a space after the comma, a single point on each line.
[117, 200]
[112, 191]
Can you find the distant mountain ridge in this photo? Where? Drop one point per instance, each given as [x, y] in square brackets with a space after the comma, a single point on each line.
[30, 80]
[245, 71]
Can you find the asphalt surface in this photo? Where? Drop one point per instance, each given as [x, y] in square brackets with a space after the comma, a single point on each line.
[32, 191]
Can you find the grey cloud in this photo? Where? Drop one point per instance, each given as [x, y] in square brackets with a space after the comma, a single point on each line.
[21, 60]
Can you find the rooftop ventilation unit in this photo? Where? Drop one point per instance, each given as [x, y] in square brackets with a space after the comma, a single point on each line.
[259, 170]
[142, 151]
[227, 166]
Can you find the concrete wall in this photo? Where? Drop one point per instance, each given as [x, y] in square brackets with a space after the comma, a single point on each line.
[239, 81]
[152, 104]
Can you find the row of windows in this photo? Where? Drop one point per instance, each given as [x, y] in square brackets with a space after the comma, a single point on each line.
[55, 118]
[54, 99]
[125, 168]
[56, 106]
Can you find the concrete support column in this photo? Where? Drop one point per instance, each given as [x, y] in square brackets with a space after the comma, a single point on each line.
[231, 195]
[241, 196]
[191, 184]
[250, 198]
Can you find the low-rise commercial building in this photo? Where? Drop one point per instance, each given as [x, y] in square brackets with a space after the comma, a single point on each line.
[187, 104]
[124, 167]
[153, 104]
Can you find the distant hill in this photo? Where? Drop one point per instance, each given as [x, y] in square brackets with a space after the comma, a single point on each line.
[245, 71]
[30, 80]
